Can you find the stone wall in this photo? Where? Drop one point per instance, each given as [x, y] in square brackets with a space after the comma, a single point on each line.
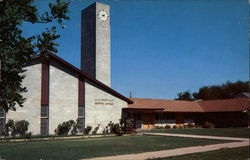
[101, 107]
[63, 96]
[31, 109]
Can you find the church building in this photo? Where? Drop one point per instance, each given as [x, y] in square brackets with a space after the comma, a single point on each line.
[58, 91]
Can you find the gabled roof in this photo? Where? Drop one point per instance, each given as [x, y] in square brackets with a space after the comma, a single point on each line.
[83, 75]
[228, 105]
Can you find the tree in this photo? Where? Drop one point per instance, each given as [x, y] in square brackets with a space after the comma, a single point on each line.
[17, 50]
[184, 96]
[225, 91]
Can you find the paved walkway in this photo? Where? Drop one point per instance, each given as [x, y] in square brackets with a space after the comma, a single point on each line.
[198, 136]
[180, 151]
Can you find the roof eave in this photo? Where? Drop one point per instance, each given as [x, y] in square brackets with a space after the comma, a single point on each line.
[85, 75]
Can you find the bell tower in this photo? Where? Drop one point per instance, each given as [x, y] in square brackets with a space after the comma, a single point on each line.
[95, 42]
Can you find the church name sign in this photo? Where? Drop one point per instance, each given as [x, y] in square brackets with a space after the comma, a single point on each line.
[104, 101]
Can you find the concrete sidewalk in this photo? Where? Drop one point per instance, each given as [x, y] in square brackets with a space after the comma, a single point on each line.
[180, 151]
[197, 136]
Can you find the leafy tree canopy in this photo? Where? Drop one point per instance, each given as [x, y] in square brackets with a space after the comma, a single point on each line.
[225, 91]
[186, 95]
[17, 50]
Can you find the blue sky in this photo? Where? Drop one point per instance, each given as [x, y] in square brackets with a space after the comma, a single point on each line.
[162, 47]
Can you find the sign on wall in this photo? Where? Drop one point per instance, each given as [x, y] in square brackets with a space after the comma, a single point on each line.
[104, 101]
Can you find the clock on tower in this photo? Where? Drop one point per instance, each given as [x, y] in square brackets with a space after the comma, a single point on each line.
[103, 15]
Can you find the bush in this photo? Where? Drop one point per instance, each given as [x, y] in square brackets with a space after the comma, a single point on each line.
[117, 128]
[16, 128]
[28, 135]
[21, 127]
[180, 126]
[175, 126]
[96, 129]
[197, 126]
[87, 130]
[159, 127]
[208, 125]
[190, 125]
[167, 127]
[65, 127]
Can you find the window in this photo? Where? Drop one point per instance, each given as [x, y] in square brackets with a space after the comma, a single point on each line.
[81, 110]
[128, 115]
[189, 116]
[136, 115]
[157, 116]
[2, 124]
[80, 122]
[2, 121]
[140, 116]
[166, 116]
[45, 111]
[44, 120]
[44, 126]
[2, 113]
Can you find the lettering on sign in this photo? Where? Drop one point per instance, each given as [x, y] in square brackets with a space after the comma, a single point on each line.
[104, 101]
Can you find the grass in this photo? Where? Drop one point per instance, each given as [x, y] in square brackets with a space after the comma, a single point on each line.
[94, 147]
[241, 153]
[226, 132]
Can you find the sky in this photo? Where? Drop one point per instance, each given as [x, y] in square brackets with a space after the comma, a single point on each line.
[162, 47]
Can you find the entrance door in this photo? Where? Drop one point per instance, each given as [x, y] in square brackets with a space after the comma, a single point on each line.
[148, 121]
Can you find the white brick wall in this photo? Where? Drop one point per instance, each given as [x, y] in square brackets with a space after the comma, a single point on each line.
[31, 109]
[100, 113]
[63, 100]
[63, 96]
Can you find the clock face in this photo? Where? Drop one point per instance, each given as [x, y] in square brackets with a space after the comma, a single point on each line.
[103, 16]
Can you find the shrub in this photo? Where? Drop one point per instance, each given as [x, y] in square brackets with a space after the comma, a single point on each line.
[117, 128]
[190, 125]
[181, 126]
[21, 127]
[111, 127]
[167, 127]
[16, 128]
[159, 127]
[96, 129]
[174, 126]
[65, 127]
[208, 125]
[28, 135]
[9, 128]
[87, 130]
[197, 126]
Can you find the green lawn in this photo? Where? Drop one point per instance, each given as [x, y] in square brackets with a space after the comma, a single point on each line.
[241, 153]
[227, 132]
[94, 147]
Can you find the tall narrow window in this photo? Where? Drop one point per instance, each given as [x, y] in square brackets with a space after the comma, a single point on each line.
[81, 118]
[45, 111]
[44, 120]
[2, 121]
[44, 126]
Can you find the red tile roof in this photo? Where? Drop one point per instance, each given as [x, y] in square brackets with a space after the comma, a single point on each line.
[191, 106]
[227, 105]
